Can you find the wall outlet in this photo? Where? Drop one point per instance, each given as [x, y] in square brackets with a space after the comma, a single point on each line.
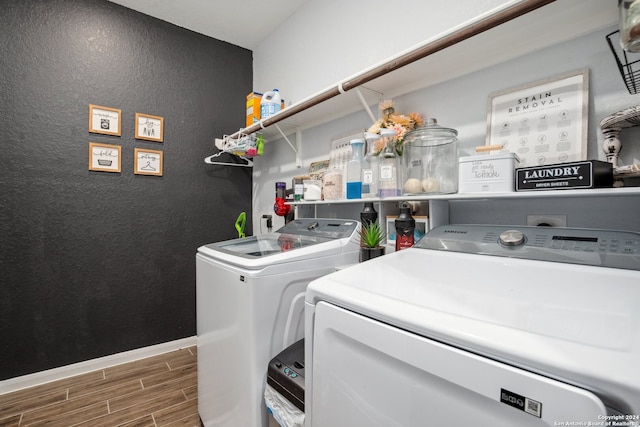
[547, 220]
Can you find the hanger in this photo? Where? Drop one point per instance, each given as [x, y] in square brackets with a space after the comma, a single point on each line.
[248, 162]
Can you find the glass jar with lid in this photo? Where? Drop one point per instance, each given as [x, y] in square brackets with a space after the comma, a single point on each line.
[629, 25]
[430, 160]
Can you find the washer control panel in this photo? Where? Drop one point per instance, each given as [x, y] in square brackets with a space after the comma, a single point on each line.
[605, 248]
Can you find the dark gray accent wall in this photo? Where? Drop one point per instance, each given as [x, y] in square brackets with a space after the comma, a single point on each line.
[96, 263]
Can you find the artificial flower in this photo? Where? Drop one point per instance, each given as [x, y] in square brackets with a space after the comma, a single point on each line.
[401, 124]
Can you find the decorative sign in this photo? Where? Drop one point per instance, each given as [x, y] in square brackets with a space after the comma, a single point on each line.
[104, 157]
[543, 122]
[150, 128]
[104, 120]
[148, 162]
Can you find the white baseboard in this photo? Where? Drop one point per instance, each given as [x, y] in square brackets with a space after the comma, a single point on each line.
[38, 378]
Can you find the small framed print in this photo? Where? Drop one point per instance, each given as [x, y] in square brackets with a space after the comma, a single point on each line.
[104, 157]
[148, 162]
[150, 128]
[104, 120]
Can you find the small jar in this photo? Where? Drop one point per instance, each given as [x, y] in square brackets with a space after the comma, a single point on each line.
[629, 25]
[430, 160]
[298, 187]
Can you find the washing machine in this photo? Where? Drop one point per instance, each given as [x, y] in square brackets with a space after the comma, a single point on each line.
[250, 306]
[480, 326]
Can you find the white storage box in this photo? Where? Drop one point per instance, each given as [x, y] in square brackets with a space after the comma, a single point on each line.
[490, 173]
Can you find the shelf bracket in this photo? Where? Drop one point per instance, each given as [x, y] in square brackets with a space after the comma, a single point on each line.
[298, 146]
[365, 105]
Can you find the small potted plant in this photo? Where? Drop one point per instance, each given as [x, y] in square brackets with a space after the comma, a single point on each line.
[371, 238]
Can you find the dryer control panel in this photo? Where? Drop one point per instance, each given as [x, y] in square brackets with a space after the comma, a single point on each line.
[605, 248]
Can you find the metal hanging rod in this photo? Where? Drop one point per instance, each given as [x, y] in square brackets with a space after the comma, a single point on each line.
[420, 52]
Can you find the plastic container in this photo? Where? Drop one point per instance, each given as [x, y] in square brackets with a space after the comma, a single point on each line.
[332, 184]
[370, 170]
[312, 189]
[430, 160]
[405, 226]
[368, 214]
[388, 168]
[270, 104]
[354, 170]
[298, 187]
[281, 190]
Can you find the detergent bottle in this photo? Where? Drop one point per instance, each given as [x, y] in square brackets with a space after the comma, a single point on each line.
[270, 104]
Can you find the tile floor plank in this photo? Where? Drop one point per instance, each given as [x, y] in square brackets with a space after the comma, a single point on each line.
[151, 393]
[104, 389]
[181, 359]
[11, 421]
[173, 413]
[192, 421]
[184, 372]
[146, 421]
[65, 419]
[12, 406]
[125, 395]
[192, 392]
[115, 418]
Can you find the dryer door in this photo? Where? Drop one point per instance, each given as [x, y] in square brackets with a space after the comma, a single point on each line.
[366, 373]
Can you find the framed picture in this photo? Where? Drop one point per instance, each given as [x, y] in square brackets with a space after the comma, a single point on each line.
[104, 157]
[104, 120]
[544, 122]
[148, 162]
[150, 128]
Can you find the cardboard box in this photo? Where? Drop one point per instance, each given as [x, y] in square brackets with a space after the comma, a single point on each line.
[565, 176]
[253, 108]
[491, 173]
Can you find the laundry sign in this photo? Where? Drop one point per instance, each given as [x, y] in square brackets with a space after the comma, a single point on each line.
[587, 174]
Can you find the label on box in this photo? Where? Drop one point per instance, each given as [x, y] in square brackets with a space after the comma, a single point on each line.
[587, 174]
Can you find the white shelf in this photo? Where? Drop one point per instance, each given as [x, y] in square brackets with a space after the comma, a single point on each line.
[585, 193]
[554, 23]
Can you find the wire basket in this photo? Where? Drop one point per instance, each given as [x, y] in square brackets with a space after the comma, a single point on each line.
[628, 63]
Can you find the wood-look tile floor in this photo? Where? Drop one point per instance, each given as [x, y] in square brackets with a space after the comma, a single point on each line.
[156, 391]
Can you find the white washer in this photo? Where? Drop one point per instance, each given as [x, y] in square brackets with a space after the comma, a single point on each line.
[480, 326]
[250, 306]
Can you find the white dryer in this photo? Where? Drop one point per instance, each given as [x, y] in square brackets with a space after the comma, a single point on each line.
[250, 306]
[480, 326]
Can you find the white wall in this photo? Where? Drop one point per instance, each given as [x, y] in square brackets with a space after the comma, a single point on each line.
[326, 41]
[462, 104]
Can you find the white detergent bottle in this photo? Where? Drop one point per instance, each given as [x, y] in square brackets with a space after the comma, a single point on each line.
[269, 104]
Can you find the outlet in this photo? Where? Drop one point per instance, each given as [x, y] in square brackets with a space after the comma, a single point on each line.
[547, 220]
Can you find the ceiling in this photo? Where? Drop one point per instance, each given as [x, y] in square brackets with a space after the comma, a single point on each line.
[244, 23]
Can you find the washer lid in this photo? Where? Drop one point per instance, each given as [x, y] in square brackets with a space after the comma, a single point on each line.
[298, 239]
[577, 323]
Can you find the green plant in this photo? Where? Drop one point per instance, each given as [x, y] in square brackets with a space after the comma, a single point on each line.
[371, 235]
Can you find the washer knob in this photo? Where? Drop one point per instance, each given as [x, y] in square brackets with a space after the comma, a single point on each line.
[511, 238]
